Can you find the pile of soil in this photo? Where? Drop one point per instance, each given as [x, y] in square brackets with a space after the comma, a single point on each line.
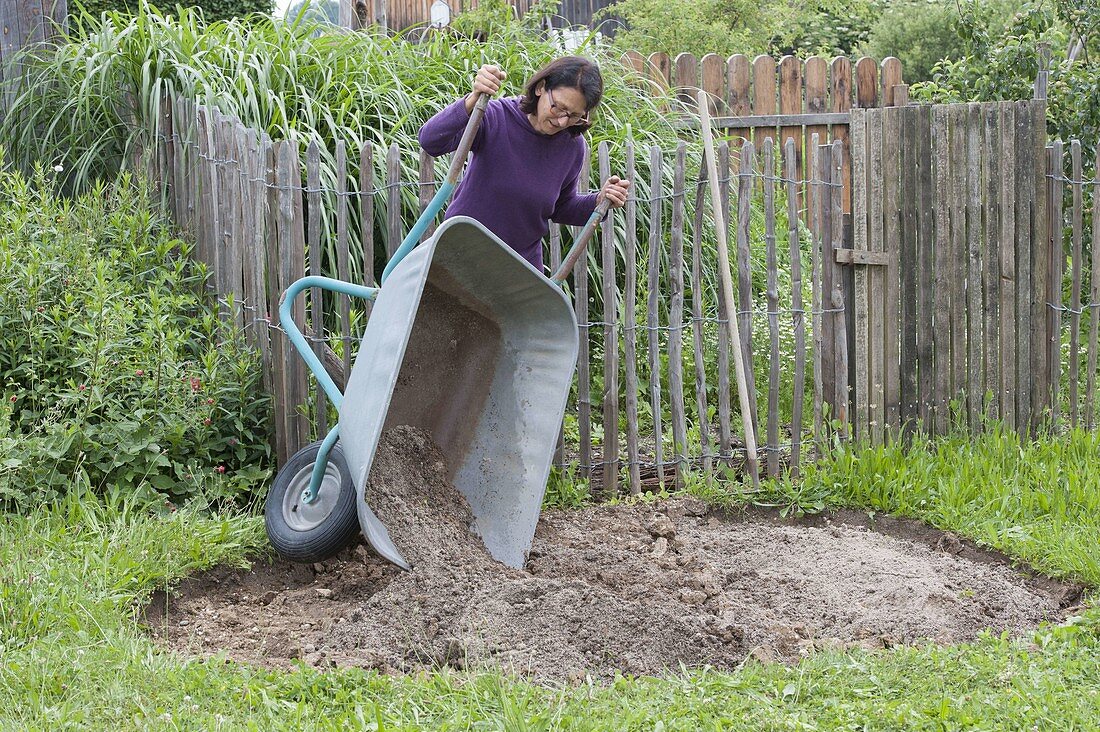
[637, 589]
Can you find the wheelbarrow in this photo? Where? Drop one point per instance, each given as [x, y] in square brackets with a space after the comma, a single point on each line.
[465, 340]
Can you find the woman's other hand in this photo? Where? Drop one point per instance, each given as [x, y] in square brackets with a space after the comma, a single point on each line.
[614, 191]
[488, 80]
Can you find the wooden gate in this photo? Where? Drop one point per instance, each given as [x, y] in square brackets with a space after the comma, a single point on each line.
[951, 267]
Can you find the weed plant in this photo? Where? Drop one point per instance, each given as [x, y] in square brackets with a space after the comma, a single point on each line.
[114, 374]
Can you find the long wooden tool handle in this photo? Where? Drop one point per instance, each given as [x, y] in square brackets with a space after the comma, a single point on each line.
[467, 140]
[726, 276]
[444, 192]
[581, 244]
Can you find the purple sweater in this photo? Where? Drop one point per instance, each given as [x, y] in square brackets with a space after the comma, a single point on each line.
[517, 179]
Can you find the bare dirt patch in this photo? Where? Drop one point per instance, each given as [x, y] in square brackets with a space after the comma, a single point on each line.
[638, 589]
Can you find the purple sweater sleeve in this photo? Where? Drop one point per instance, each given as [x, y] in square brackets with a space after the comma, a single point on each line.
[442, 133]
[573, 208]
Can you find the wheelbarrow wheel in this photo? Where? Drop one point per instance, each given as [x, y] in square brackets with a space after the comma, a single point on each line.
[311, 532]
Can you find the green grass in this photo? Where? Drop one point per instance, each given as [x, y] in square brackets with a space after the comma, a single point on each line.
[75, 576]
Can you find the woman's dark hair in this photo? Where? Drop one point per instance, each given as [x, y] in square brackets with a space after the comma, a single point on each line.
[574, 72]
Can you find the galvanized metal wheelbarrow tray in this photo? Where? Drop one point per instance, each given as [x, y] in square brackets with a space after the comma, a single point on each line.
[471, 343]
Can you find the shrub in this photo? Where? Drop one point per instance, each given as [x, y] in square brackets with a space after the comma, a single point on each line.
[724, 27]
[113, 373]
[1003, 64]
[211, 9]
[826, 27]
[922, 33]
[326, 11]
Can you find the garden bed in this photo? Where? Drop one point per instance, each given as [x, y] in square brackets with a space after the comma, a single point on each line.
[637, 589]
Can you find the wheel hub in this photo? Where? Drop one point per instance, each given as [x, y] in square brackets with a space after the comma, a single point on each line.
[302, 516]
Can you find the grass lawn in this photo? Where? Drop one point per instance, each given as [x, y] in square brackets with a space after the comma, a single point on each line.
[75, 576]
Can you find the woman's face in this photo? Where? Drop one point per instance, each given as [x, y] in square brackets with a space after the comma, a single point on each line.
[559, 108]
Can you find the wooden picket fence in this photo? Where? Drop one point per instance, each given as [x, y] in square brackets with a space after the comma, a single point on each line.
[948, 302]
[1067, 228]
[969, 260]
[254, 216]
[761, 98]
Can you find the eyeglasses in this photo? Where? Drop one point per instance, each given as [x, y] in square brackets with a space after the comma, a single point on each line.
[575, 118]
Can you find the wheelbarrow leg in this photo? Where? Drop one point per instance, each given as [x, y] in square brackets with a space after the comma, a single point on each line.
[371, 527]
[310, 493]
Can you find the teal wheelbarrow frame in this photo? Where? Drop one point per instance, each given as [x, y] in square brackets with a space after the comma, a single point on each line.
[470, 343]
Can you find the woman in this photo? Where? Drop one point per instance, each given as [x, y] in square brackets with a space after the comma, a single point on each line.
[526, 158]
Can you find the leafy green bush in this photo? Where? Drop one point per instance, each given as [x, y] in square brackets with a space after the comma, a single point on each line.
[827, 27]
[327, 11]
[922, 33]
[1004, 65]
[113, 373]
[211, 9]
[918, 32]
[724, 27]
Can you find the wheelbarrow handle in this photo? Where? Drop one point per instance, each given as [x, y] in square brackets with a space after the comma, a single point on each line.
[467, 139]
[427, 216]
[581, 243]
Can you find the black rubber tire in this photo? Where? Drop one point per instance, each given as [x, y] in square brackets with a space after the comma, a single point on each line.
[311, 541]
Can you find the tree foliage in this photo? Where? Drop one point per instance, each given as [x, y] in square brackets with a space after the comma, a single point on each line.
[921, 33]
[726, 27]
[1005, 64]
[327, 11]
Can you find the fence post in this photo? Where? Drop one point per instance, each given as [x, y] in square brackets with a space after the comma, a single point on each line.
[1042, 78]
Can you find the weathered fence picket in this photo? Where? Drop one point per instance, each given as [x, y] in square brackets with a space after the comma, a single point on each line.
[610, 396]
[653, 285]
[767, 166]
[798, 320]
[837, 308]
[580, 307]
[992, 265]
[745, 188]
[697, 322]
[725, 433]
[630, 330]
[343, 254]
[975, 387]
[313, 244]
[676, 312]
[1076, 223]
[1056, 170]
[1094, 299]
[963, 342]
[1008, 263]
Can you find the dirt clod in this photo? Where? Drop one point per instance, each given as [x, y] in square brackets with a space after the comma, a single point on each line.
[637, 589]
[662, 526]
